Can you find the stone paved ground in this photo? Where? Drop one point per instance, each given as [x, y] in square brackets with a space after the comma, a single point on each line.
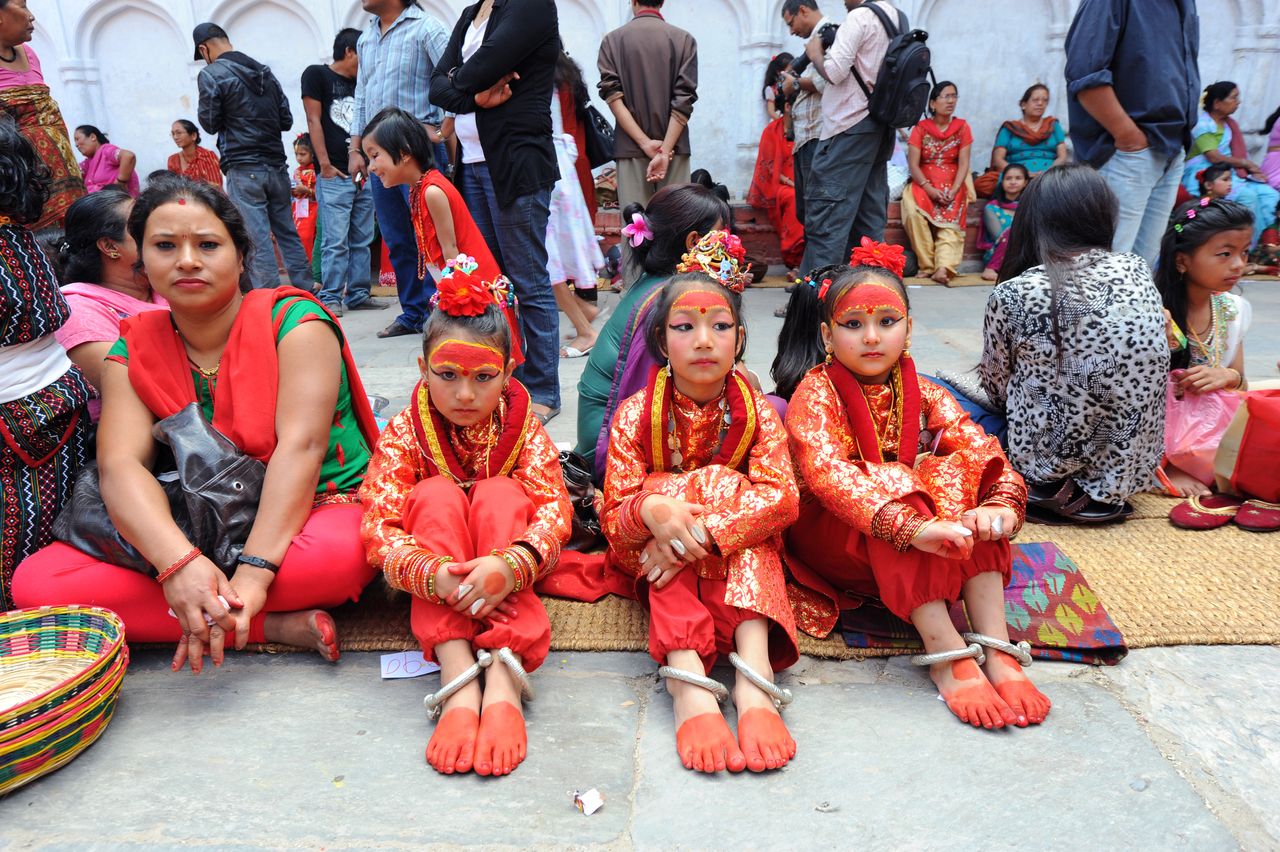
[1174, 748]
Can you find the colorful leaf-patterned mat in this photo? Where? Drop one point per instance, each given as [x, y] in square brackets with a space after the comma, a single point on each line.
[1047, 603]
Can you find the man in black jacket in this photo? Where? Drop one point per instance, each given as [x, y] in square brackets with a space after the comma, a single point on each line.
[507, 84]
[242, 102]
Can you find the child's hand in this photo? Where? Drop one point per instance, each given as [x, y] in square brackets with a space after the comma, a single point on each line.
[681, 536]
[990, 523]
[1205, 379]
[945, 538]
[485, 584]
[656, 566]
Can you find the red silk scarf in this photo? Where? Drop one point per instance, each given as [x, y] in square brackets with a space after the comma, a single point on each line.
[738, 438]
[906, 411]
[432, 430]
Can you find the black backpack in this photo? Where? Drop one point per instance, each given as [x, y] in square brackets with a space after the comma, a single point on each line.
[903, 82]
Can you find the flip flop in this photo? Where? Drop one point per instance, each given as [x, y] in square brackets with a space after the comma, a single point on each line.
[1205, 513]
[1258, 516]
[571, 352]
[544, 419]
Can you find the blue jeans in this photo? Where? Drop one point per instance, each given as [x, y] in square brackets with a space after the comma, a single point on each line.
[517, 235]
[392, 206]
[263, 196]
[346, 226]
[992, 422]
[1146, 182]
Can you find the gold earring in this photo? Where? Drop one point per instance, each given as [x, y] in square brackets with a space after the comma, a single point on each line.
[114, 255]
[829, 353]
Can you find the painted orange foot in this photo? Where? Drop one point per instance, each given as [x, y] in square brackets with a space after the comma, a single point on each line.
[970, 695]
[706, 744]
[765, 740]
[1029, 704]
[502, 743]
[326, 635]
[453, 743]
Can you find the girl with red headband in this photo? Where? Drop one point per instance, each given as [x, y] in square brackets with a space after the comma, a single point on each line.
[698, 488]
[906, 500]
[464, 508]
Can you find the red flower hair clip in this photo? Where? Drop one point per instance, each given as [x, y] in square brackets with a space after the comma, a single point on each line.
[883, 255]
[461, 292]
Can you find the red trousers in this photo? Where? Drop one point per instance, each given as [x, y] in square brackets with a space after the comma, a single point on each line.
[324, 566]
[445, 520]
[690, 614]
[859, 566]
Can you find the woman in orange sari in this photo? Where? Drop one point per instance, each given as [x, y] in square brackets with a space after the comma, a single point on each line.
[773, 186]
[933, 212]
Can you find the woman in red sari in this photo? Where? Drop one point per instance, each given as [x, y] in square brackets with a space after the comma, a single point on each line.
[933, 211]
[773, 186]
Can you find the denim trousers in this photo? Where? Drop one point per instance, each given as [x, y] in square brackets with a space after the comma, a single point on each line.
[846, 192]
[396, 225]
[517, 236]
[262, 194]
[346, 230]
[1146, 182]
[803, 166]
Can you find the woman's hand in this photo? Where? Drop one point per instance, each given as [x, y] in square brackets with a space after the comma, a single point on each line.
[252, 585]
[946, 539]
[486, 582]
[1206, 379]
[656, 567]
[990, 523]
[674, 523]
[497, 94]
[192, 593]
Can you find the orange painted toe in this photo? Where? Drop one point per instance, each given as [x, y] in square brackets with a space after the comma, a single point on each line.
[706, 744]
[502, 742]
[1027, 702]
[766, 743]
[453, 743]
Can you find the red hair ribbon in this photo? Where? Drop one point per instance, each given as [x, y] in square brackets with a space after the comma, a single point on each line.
[883, 255]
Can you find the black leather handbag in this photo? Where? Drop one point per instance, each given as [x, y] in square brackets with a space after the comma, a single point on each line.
[587, 536]
[213, 492]
[599, 138]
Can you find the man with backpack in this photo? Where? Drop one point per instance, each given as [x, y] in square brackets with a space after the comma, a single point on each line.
[848, 194]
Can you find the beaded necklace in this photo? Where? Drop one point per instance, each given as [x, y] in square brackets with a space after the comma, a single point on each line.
[673, 437]
[1211, 351]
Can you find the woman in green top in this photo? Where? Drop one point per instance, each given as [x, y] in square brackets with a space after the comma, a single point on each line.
[659, 236]
[270, 370]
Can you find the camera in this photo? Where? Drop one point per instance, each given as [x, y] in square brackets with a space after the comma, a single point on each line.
[827, 33]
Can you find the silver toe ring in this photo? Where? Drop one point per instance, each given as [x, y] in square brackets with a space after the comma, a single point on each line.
[508, 658]
[435, 701]
[1020, 652]
[713, 686]
[781, 696]
[974, 651]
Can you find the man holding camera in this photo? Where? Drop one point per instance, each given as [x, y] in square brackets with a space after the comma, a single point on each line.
[847, 190]
[803, 85]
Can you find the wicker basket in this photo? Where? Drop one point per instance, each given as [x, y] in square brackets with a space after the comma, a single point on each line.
[60, 672]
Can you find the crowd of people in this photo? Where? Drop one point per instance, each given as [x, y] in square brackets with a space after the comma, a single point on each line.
[737, 517]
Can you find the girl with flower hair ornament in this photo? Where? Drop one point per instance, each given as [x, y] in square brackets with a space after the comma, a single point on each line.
[904, 499]
[464, 508]
[698, 488]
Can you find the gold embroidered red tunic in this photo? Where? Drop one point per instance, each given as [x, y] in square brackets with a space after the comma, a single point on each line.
[746, 511]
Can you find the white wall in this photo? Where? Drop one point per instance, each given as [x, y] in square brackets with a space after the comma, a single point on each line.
[125, 65]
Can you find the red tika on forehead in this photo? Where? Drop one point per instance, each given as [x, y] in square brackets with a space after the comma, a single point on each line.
[870, 297]
[464, 357]
[700, 301]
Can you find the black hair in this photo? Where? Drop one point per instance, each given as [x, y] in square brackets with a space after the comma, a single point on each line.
[490, 327]
[1218, 91]
[655, 331]
[24, 178]
[174, 187]
[652, 4]
[999, 195]
[1068, 210]
[851, 277]
[345, 40]
[937, 90]
[1185, 235]
[672, 213]
[303, 140]
[800, 345]
[793, 7]
[702, 177]
[569, 74]
[1270, 122]
[160, 175]
[1031, 90]
[399, 133]
[96, 216]
[1210, 173]
[775, 67]
[190, 127]
[90, 130]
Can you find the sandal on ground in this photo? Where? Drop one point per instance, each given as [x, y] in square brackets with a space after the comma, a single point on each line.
[544, 419]
[1205, 513]
[1066, 503]
[396, 329]
[574, 352]
[1258, 516]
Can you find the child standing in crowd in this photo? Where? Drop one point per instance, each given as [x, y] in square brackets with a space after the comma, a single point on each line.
[305, 209]
[997, 217]
[399, 152]
[1215, 181]
[698, 489]
[1202, 256]
[911, 503]
[465, 506]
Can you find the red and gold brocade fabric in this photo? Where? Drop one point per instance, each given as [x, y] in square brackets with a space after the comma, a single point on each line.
[746, 512]
[399, 464]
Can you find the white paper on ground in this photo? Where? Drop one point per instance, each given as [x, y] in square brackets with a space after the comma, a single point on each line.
[406, 664]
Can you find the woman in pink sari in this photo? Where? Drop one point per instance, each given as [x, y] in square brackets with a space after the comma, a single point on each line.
[105, 164]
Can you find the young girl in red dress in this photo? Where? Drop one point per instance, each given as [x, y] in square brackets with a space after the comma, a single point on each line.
[905, 499]
[698, 489]
[306, 209]
[465, 507]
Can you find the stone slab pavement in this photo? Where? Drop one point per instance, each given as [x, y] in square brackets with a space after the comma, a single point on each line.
[1175, 748]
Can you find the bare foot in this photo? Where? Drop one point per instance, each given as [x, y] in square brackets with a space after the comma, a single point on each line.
[703, 739]
[502, 743]
[304, 629]
[990, 275]
[1029, 704]
[452, 744]
[765, 741]
[941, 275]
[1187, 485]
[970, 695]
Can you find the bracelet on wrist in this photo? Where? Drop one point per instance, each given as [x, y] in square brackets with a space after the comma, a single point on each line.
[178, 564]
[257, 562]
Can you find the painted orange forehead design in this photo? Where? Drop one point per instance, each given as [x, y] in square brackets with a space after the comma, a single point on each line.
[464, 357]
[700, 301]
[869, 297]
